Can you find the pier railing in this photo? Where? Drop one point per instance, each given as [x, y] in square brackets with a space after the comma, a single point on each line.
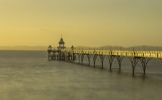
[134, 56]
[145, 54]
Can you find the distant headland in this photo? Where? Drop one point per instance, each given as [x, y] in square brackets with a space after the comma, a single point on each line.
[142, 47]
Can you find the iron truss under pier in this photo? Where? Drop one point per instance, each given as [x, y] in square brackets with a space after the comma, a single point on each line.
[135, 56]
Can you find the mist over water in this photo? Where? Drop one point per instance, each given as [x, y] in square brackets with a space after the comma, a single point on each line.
[27, 75]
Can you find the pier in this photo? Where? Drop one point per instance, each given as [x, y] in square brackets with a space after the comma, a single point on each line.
[135, 57]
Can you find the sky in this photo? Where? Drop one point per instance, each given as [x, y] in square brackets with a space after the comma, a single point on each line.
[81, 22]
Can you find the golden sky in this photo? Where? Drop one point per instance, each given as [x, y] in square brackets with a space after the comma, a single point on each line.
[81, 22]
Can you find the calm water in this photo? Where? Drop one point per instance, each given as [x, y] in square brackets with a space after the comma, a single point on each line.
[27, 75]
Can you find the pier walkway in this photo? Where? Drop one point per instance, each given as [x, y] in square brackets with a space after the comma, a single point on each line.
[61, 53]
[135, 56]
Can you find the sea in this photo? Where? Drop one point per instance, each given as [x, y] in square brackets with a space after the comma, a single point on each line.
[28, 75]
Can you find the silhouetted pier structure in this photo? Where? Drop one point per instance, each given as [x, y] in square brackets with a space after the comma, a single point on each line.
[134, 56]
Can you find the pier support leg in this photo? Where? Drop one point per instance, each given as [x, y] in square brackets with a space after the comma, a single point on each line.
[53, 56]
[82, 57]
[102, 64]
[79, 58]
[102, 59]
[110, 66]
[133, 68]
[94, 63]
[111, 59]
[74, 57]
[89, 57]
[144, 62]
[94, 59]
[134, 61]
[119, 59]
[65, 56]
